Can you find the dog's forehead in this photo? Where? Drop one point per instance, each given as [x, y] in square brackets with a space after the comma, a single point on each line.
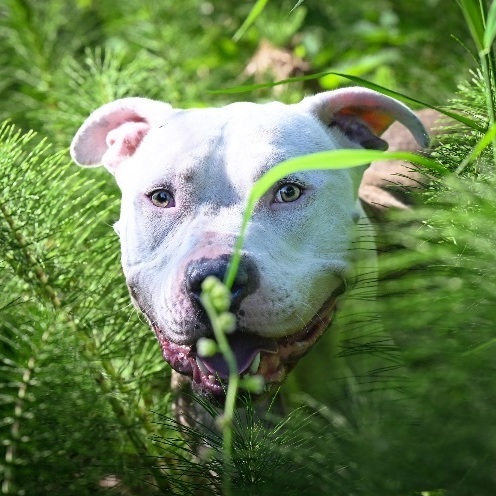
[260, 136]
[241, 140]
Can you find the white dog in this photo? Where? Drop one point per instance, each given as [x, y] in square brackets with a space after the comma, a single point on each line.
[185, 176]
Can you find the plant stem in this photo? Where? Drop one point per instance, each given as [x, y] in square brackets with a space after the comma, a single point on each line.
[231, 393]
[487, 65]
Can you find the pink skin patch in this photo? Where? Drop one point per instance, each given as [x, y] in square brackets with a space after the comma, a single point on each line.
[122, 142]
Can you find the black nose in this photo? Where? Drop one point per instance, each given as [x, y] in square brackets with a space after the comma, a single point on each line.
[245, 283]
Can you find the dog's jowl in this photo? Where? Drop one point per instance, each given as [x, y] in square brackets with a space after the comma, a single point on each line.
[185, 176]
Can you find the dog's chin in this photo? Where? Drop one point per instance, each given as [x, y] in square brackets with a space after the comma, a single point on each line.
[271, 358]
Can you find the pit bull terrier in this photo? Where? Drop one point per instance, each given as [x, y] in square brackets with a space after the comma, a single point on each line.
[185, 176]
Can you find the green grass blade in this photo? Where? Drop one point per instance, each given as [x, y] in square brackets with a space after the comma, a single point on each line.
[252, 17]
[407, 99]
[490, 31]
[469, 50]
[335, 159]
[362, 82]
[474, 17]
[481, 145]
[252, 87]
[298, 3]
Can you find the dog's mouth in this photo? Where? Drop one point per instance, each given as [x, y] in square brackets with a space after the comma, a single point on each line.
[272, 358]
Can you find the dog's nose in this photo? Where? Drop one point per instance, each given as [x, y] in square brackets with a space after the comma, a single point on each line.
[244, 283]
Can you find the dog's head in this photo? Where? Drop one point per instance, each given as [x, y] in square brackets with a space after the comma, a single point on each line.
[185, 176]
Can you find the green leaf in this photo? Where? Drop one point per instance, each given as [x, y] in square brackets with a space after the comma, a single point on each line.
[331, 160]
[362, 82]
[300, 2]
[252, 17]
[252, 87]
[481, 145]
[490, 31]
[474, 17]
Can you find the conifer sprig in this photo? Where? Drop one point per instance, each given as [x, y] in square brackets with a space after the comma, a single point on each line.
[37, 214]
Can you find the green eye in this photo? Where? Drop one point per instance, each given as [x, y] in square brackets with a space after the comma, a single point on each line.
[288, 192]
[162, 198]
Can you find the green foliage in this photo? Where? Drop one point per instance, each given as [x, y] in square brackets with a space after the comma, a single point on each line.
[81, 375]
[443, 321]
[62, 59]
[65, 330]
[482, 27]
[435, 433]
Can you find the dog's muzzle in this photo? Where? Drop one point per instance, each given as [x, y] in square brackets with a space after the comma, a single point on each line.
[272, 358]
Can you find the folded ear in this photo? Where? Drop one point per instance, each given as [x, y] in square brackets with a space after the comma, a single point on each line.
[362, 115]
[113, 132]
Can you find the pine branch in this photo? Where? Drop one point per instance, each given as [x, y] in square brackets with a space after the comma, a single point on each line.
[108, 379]
[11, 451]
[27, 258]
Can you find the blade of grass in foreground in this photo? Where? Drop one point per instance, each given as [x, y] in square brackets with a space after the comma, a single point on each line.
[335, 159]
[362, 82]
[490, 31]
[481, 145]
[407, 99]
[474, 17]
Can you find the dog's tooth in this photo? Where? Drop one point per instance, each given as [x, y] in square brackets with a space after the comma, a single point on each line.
[201, 366]
[255, 364]
[197, 376]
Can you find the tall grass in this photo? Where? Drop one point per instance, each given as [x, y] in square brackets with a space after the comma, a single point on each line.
[482, 26]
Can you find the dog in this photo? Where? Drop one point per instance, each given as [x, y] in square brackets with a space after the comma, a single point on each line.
[185, 176]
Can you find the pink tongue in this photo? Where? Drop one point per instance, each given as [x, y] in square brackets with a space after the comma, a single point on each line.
[245, 347]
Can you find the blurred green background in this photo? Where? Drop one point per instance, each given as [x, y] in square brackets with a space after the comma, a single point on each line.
[55, 54]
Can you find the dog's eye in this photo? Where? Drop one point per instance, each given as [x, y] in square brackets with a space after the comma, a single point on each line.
[162, 198]
[288, 192]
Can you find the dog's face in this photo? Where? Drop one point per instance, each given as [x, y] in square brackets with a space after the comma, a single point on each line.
[185, 177]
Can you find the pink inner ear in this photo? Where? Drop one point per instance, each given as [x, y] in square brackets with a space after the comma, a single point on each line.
[377, 119]
[122, 143]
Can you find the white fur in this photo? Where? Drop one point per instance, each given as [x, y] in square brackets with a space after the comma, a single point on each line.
[209, 159]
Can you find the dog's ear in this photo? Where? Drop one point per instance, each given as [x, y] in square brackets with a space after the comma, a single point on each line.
[362, 115]
[113, 132]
